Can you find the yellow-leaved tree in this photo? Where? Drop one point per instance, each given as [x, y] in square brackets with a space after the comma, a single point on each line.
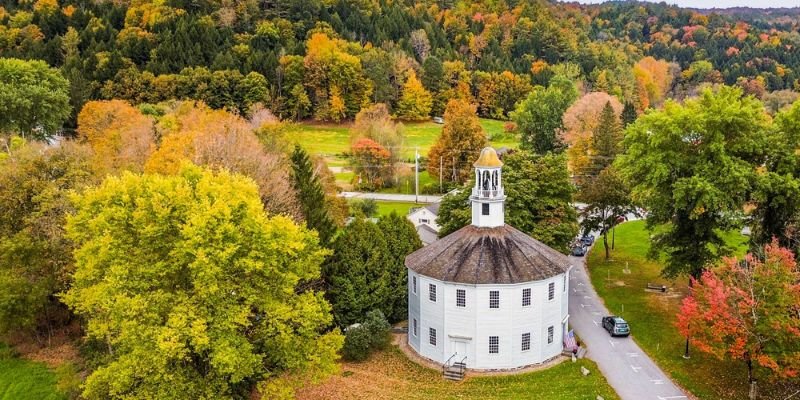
[415, 102]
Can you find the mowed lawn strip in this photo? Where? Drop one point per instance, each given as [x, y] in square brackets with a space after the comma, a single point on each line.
[27, 380]
[399, 207]
[391, 375]
[652, 315]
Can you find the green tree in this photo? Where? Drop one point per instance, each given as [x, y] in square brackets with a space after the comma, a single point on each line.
[628, 114]
[538, 200]
[359, 274]
[539, 116]
[693, 166]
[415, 103]
[401, 240]
[191, 289]
[607, 198]
[34, 99]
[311, 196]
[606, 139]
[34, 253]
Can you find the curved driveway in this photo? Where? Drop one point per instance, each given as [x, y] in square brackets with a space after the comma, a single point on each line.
[626, 367]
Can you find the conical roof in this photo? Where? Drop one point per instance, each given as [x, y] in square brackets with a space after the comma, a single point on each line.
[488, 158]
[500, 255]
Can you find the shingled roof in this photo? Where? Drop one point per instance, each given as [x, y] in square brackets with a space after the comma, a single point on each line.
[501, 255]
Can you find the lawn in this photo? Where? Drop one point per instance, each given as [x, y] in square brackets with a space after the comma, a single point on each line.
[333, 139]
[652, 315]
[26, 380]
[391, 375]
[399, 207]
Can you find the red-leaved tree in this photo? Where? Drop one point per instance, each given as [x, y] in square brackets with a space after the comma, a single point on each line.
[748, 310]
[371, 164]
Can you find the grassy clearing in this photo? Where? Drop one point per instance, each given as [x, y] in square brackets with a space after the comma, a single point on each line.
[391, 375]
[333, 139]
[652, 315]
[399, 207]
[26, 380]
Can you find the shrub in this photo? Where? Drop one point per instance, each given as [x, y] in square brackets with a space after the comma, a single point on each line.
[362, 339]
[365, 207]
[357, 343]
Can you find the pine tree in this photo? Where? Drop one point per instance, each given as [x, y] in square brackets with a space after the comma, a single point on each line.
[401, 240]
[628, 114]
[311, 196]
[606, 139]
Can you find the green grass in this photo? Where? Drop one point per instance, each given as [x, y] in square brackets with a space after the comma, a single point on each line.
[26, 380]
[391, 375]
[652, 315]
[333, 139]
[399, 207]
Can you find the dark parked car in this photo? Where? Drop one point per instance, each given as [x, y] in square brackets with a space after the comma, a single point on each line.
[587, 240]
[616, 326]
[578, 251]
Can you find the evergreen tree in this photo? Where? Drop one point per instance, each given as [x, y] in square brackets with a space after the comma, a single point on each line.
[628, 114]
[401, 240]
[311, 195]
[357, 275]
[606, 139]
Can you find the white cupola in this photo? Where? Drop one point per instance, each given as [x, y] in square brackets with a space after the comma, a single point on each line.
[488, 197]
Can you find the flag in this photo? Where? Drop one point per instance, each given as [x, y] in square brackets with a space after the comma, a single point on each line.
[569, 341]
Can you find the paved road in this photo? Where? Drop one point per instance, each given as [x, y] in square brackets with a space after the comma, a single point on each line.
[392, 197]
[626, 367]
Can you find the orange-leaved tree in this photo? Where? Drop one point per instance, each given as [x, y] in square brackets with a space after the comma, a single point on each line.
[371, 164]
[121, 137]
[748, 310]
[459, 145]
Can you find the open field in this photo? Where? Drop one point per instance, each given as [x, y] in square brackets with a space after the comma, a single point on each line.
[26, 380]
[652, 316]
[391, 375]
[333, 139]
[399, 207]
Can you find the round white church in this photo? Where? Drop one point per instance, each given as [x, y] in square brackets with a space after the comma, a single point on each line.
[487, 295]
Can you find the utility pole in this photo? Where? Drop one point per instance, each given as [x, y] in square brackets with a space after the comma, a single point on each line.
[416, 175]
[441, 187]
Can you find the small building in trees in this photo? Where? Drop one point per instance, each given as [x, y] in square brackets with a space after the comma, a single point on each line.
[424, 220]
[487, 295]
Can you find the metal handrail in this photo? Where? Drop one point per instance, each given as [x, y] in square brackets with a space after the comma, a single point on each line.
[463, 365]
[447, 363]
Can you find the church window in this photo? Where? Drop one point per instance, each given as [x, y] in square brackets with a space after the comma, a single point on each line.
[415, 327]
[550, 331]
[461, 298]
[414, 284]
[432, 336]
[551, 291]
[432, 292]
[526, 341]
[494, 344]
[526, 297]
[494, 299]
[485, 209]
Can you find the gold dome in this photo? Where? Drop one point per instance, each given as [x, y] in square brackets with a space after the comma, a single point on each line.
[488, 159]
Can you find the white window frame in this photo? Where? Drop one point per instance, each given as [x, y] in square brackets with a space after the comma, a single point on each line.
[496, 345]
[497, 293]
[424, 221]
[415, 327]
[432, 337]
[551, 291]
[525, 341]
[414, 284]
[432, 292]
[550, 333]
[565, 284]
[526, 295]
[461, 298]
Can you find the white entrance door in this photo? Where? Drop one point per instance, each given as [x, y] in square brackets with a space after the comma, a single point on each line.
[459, 348]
